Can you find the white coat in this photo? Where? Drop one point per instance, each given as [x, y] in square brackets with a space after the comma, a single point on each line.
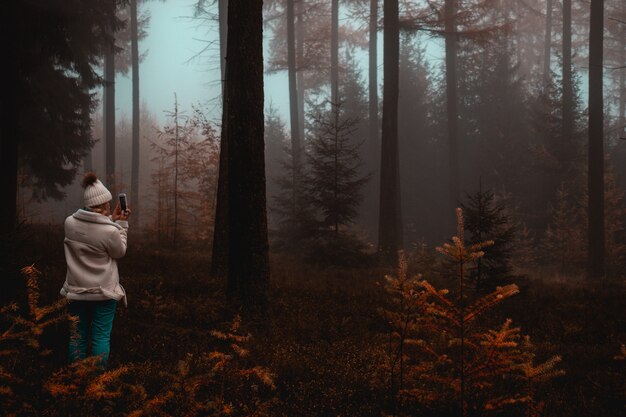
[92, 244]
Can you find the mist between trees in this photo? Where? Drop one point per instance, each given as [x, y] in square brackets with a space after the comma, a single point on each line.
[518, 127]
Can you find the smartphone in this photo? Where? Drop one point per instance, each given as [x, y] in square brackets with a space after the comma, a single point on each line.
[123, 205]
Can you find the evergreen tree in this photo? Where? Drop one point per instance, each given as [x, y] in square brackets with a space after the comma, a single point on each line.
[334, 180]
[49, 52]
[485, 219]
[564, 240]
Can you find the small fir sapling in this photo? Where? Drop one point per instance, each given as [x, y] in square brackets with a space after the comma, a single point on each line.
[564, 239]
[407, 301]
[217, 383]
[485, 219]
[28, 383]
[445, 352]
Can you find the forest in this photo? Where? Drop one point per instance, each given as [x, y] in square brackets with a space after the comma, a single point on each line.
[360, 208]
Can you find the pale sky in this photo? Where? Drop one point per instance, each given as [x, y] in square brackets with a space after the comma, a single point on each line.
[173, 39]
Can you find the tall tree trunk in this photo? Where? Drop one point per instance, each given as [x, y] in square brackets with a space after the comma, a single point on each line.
[248, 261]
[622, 79]
[568, 94]
[293, 103]
[334, 52]
[9, 139]
[451, 45]
[223, 23]
[108, 117]
[596, 238]
[547, 45]
[219, 254]
[300, 7]
[373, 75]
[176, 140]
[134, 176]
[389, 227]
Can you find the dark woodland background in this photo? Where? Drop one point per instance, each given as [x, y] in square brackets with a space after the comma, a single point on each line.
[305, 264]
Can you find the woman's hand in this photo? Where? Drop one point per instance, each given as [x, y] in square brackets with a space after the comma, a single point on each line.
[118, 214]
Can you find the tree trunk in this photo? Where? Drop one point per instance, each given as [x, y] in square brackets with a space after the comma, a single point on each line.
[134, 181]
[248, 260]
[389, 228]
[451, 45]
[9, 138]
[334, 52]
[299, 59]
[9, 131]
[223, 23]
[293, 103]
[596, 239]
[622, 79]
[373, 76]
[547, 45]
[176, 140]
[219, 254]
[108, 117]
[568, 95]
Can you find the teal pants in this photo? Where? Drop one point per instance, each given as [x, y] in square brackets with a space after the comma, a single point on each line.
[95, 318]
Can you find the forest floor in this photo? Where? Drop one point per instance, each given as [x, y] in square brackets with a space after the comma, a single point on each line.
[323, 337]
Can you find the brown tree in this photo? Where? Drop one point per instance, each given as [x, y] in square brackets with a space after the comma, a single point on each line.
[568, 92]
[390, 222]
[219, 253]
[248, 259]
[596, 235]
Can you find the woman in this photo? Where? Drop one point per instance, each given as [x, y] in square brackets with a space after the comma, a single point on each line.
[94, 239]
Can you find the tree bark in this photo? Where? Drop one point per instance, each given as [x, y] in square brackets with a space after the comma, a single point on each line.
[9, 108]
[622, 79]
[547, 45]
[299, 59]
[108, 117]
[134, 181]
[219, 254]
[248, 261]
[9, 139]
[389, 228]
[334, 52]
[223, 24]
[568, 95]
[176, 142]
[293, 101]
[596, 238]
[373, 76]
[451, 45]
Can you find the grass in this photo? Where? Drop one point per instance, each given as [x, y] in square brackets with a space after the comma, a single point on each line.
[326, 342]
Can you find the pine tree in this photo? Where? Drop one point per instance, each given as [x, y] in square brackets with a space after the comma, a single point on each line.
[564, 240]
[334, 181]
[449, 360]
[486, 219]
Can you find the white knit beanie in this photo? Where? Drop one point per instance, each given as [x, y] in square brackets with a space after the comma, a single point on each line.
[95, 192]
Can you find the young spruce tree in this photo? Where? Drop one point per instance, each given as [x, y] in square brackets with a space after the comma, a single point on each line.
[486, 219]
[334, 180]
